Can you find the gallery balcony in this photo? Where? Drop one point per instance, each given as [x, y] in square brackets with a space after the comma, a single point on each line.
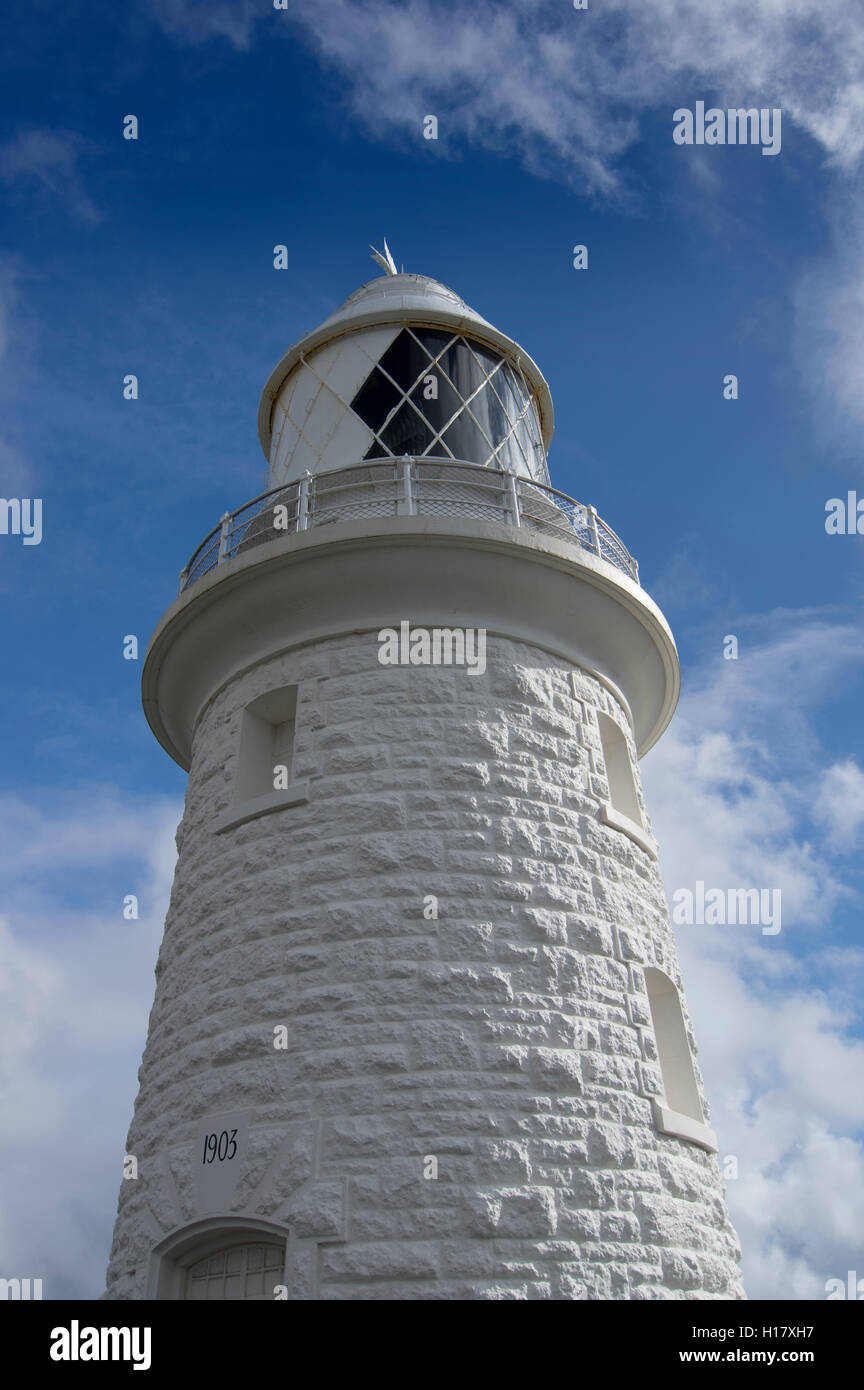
[407, 487]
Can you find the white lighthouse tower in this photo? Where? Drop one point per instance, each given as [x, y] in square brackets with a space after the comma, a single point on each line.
[419, 1029]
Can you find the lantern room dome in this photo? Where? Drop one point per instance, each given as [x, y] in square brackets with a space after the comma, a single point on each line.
[408, 293]
[405, 367]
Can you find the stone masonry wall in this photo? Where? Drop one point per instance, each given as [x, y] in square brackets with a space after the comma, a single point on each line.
[510, 1038]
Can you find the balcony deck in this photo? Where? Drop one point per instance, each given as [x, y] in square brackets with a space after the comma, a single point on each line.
[408, 487]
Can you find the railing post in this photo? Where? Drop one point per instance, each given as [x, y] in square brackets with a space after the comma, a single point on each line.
[592, 529]
[225, 522]
[511, 498]
[303, 502]
[406, 505]
[184, 575]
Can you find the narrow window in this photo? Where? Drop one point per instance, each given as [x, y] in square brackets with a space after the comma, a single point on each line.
[619, 770]
[676, 1063]
[266, 744]
[218, 1260]
[241, 1272]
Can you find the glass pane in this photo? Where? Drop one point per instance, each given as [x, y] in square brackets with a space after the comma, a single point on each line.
[465, 371]
[375, 399]
[376, 451]
[433, 339]
[520, 437]
[465, 440]
[462, 368]
[509, 392]
[487, 411]
[533, 428]
[407, 433]
[404, 360]
[438, 449]
[509, 458]
[239, 1272]
[436, 411]
[488, 359]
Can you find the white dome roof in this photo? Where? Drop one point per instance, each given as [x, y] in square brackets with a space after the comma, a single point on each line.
[405, 298]
[411, 294]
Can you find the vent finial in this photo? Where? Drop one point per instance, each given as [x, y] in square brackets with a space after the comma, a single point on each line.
[384, 258]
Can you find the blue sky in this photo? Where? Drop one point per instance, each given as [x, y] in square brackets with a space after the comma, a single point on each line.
[155, 257]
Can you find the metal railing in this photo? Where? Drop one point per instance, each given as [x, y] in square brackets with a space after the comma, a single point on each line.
[406, 487]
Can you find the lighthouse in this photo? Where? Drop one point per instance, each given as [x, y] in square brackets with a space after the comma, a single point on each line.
[419, 1029]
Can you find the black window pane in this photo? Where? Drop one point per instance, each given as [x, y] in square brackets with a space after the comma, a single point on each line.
[462, 368]
[488, 359]
[465, 441]
[404, 360]
[375, 399]
[439, 450]
[438, 408]
[406, 432]
[433, 339]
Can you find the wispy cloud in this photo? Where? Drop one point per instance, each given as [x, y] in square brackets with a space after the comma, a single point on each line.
[829, 322]
[563, 89]
[45, 165]
[196, 21]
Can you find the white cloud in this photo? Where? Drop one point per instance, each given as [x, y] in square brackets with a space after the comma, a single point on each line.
[840, 802]
[45, 164]
[739, 798]
[59, 837]
[829, 322]
[30, 989]
[75, 990]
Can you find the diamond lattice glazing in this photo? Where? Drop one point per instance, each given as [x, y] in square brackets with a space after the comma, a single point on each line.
[436, 393]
